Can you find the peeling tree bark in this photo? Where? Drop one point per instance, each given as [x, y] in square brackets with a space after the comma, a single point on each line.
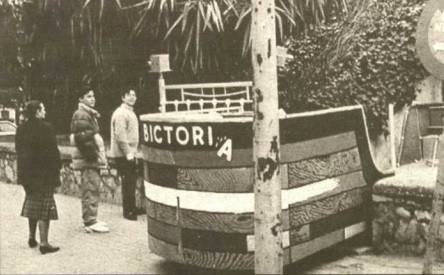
[266, 142]
[438, 196]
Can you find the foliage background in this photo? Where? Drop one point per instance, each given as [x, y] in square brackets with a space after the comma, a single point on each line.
[55, 47]
[346, 51]
[369, 58]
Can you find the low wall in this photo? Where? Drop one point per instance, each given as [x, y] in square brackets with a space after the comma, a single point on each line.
[402, 212]
[110, 187]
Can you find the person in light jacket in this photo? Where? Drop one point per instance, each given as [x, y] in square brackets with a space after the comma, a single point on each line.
[124, 142]
[38, 171]
[89, 157]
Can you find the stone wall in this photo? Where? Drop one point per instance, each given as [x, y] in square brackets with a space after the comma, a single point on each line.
[401, 226]
[110, 189]
[402, 212]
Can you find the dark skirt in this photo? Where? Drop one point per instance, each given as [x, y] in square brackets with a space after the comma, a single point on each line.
[40, 206]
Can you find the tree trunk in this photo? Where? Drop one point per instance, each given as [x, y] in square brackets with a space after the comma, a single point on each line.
[266, 142]
[437, 205]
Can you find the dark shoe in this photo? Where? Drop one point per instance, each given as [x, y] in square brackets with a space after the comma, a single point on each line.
[130, 216]
[32, 243]
[140, 211]
[48, 249]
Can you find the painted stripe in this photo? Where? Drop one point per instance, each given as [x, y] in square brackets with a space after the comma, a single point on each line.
[300, 234]
[354, 230]
[233, 180]
[219, 260]
[317, 147]
[237, 222]
[163, 231]
[329, 224]
[347, 182]
[204, 240]
[221, 222]
[381, 198]
[323, 167]
[204, 259]
[303, 250]
[231, 202]
[285, 241]
[162, 175]
[245, 261]
[287, 260]
[198, 159]
[244, 157]
[213, 259]
[340, 220]
[349, 231]
[328, 206]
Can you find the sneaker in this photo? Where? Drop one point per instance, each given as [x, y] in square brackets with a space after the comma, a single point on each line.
[102, 223]
[96, 228]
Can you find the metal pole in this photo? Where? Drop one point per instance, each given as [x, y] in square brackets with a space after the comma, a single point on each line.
[162, 95]
[266, 141]
[392, 136]
[437, 204]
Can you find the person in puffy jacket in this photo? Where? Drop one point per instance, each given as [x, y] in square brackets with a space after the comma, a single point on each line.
[89, 157]
[38, 171]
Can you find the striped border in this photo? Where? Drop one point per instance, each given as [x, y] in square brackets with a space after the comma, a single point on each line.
[205, 240]
[245, 261]
[204, 259]
[327, 206]
[240, 180]
[244, 157]
[318, 168]
[240, 222]
[231, 202]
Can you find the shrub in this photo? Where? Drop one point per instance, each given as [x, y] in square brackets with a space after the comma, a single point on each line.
[369, 59]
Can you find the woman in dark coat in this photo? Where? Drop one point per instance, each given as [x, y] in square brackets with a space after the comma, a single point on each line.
[38, 170]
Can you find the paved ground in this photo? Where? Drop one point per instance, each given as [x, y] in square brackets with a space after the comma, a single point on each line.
[125, 251]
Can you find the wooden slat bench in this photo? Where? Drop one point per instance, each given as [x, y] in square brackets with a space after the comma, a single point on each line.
[199, 184]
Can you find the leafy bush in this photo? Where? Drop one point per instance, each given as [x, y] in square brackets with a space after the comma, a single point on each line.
[369, 59]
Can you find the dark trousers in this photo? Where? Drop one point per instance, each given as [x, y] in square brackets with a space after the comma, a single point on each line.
[128, 174]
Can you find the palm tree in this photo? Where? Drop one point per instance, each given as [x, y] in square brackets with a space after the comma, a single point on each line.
[198, 33]
[65, 44]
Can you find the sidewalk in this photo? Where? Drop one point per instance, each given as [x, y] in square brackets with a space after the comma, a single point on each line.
[125, 250]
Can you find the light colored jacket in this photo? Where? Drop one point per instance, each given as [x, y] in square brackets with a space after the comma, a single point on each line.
[124, 132]
[86, 139]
